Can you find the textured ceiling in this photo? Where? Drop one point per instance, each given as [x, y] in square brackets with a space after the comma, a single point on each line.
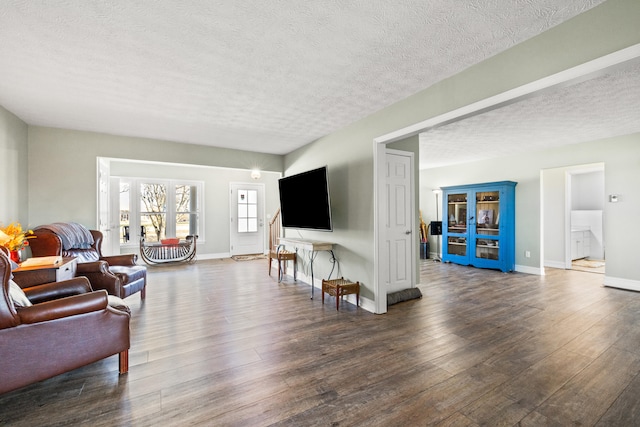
[602, 107]
[262, 75]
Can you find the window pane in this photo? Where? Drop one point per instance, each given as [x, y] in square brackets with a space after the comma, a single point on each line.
[183, 198]
[153, 205]
[182, 225]
[153, 198]
[253, 196]
[125, 199]
[152, 227]
[247, 211]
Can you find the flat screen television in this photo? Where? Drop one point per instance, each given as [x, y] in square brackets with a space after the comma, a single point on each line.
[305, 201]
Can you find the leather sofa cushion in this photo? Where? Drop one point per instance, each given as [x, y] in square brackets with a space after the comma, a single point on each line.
[128, 274]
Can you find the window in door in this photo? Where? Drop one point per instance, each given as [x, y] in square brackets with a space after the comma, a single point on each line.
[247, 211]
[125, 209]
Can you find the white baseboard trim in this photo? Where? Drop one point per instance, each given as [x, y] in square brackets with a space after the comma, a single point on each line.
[213, 256]
[617, 282]
[529, 270]
[365, 303]
[555, 264]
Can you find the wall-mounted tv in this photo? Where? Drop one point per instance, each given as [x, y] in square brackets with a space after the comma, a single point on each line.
[305, 201]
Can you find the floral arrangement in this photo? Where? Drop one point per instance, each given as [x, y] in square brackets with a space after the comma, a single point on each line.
[13, 237]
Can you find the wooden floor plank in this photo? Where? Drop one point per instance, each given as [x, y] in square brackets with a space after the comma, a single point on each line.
[219, 342]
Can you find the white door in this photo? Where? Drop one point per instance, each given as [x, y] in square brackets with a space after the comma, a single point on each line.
[113, 242]
[399, 223]
[105, 210]
[247, 219]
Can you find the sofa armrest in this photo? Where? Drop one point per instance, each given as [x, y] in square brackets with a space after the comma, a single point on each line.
[100, 277]
[124, 259]
[64, 307]
[56, 290]
[92, 267]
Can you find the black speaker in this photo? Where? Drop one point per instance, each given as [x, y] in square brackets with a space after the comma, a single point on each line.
[436, 228]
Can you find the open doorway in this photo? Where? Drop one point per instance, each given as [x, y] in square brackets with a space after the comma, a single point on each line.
[585, 211]
[573, 200]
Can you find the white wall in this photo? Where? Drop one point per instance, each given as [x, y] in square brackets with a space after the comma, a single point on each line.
[554, 216]
[65, 161]
[621, 157]
[13, 170]
[587, 191]
[349, 152]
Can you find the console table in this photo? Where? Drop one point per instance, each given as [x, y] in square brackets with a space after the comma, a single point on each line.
[312, 246]
[39, 274]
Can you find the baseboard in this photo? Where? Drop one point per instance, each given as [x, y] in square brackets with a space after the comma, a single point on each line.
[617, 282]
[555, 264]
[529, 270]
[365, 303]
[213, 256]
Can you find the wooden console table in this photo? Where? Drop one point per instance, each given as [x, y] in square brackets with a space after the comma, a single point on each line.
[311, 246]
[39, 274]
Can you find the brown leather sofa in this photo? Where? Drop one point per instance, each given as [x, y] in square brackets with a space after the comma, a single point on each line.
[119, 275]
[61, 326]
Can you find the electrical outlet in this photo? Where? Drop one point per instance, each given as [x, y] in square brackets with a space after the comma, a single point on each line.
[527, 254]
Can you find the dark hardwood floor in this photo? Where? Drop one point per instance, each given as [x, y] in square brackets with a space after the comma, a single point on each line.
[220, 343]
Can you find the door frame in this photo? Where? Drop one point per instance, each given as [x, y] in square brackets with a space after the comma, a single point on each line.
[568, 174]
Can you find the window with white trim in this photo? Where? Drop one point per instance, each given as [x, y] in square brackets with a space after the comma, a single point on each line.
[156, 209]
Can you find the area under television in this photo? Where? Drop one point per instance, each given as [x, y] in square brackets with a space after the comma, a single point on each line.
[305, 201]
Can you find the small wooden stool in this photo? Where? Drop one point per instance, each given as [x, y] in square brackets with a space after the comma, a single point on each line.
[281, 256]
[340, 287]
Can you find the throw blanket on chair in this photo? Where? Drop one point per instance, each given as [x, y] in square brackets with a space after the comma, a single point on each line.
[72, 234]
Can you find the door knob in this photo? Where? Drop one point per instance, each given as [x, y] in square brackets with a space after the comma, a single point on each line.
[407, 232]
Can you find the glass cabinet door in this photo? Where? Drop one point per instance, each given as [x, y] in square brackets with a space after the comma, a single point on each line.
[457, 223]
[487, 225]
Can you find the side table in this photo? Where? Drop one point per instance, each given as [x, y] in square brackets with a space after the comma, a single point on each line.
[37, 275]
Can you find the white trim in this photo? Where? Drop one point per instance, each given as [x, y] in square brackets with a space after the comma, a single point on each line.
[572, 75]
[220, 255]
[529, 270]
[380, 297]
[617, 282]
[555, 264]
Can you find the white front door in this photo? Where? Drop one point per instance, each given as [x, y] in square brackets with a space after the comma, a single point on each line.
[247, 219]
[399, 221]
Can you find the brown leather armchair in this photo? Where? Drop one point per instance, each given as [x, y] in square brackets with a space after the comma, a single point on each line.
[62, 326]
[119, 275]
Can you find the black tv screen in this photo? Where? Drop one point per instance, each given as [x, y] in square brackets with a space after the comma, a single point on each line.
[305, 201]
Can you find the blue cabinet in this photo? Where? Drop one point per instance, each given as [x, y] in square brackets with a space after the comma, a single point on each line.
[478, 225]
